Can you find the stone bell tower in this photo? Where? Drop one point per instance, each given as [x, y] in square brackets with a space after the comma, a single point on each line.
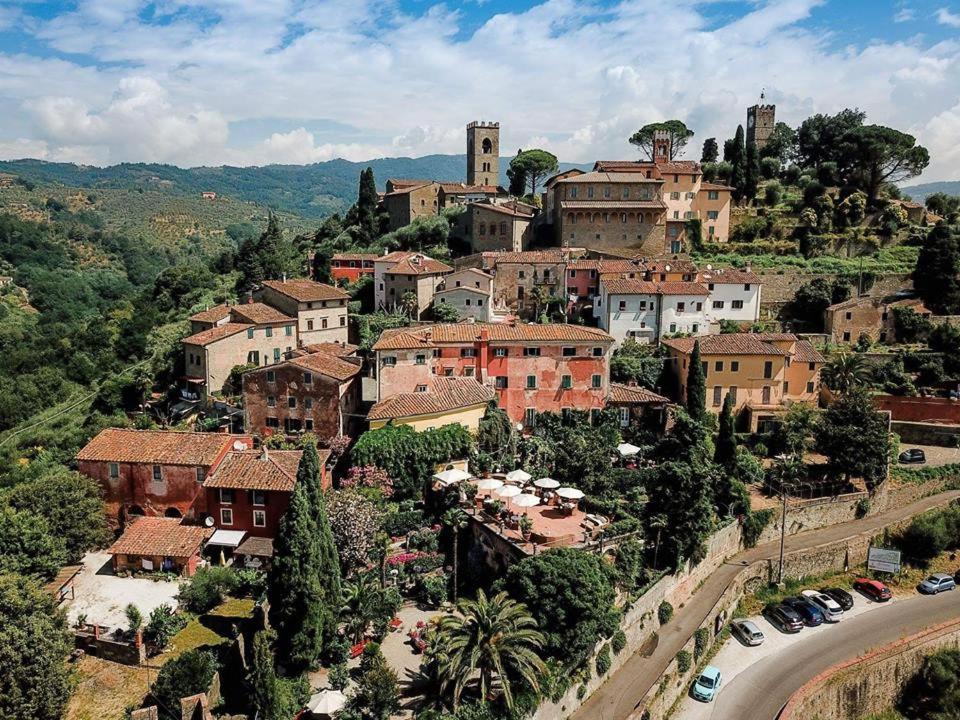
[761, 120]
[483, 153]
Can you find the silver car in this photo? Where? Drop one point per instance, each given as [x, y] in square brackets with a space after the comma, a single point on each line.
[747, 632]
[937, 583]
[832, 612]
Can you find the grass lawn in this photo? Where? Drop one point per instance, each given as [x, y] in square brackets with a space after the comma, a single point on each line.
[106, 689]
[234, 607]
[193, 636]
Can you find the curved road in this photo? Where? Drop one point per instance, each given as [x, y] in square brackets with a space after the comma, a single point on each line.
[617, 698]
[760, 691]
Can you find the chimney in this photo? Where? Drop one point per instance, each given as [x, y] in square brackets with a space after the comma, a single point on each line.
[265, 455]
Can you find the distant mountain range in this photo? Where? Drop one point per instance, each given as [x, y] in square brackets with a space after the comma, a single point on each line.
[312, 191]
[920, 192]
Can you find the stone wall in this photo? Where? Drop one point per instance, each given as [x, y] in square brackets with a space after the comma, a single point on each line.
[779, 288]
[803, 515]
[919, 433]
[869, 684]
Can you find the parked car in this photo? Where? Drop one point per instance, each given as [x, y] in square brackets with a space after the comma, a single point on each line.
[937, 583]
[873, 589]
[707, 684]
[913, 456]
[747, 632]
[783, 617]
[956, 577]
[830, 608]
[842, 597]
[807, 610]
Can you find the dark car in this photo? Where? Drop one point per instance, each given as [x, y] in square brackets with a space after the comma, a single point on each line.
[783, 617]
[913, 456]
[873, 589]
[811, 614]
[843, 598]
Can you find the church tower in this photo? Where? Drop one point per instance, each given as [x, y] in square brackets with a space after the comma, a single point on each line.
[761, 120]
[483, 153]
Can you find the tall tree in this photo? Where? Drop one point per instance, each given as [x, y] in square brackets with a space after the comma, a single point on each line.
[367, 204]
[267, 257]
[751, 172]
[818, 137]
[738, 162]
[711, 151]
[937, 275]
[676, 490]
[846, 371]
[874, 155]
[934, 692]
[678, 132]
[781, 144]
[329, 575]
[855, 438]
[34, 645]
[725, 452]
[297, 611]
[308, 475]
[696, 385]
[264, 688]
[455, 519]
[493, 638]
[535, 166]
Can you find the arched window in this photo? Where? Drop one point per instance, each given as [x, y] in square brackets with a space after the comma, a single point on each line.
[623, 217]
[172, 512]
[487, 146]
[571, 218]
[135, 510]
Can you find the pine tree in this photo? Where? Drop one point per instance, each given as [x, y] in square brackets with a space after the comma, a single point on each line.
[367, 204]
[711, 151]
[738, 176]
[265, 698]
[696, 385]
[751, 172]
[297, 611]
[725, 452]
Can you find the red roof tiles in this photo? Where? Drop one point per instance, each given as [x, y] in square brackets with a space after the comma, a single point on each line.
[257, 470]
[726, 344]
[729, 276]
[634, 395]
[325, 364]
[444, 395]
[303, 290]
[213, 315]
[156, 447]
[166, 537]
[259, 313]
[469, 333]
[628, 286]
[219, 332]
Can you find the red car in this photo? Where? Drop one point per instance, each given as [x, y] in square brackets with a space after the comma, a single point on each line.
[873, 589]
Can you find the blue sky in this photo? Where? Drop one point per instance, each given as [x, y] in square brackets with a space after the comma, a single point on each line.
[257, 81]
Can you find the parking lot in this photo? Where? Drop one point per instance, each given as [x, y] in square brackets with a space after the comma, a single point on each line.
[936, 455]
[102, 597]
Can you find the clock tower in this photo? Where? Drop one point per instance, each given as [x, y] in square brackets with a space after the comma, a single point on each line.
[761, 120]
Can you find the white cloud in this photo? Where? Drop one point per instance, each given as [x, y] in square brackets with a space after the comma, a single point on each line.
[945, 17]
[904, 14]
[573, 76]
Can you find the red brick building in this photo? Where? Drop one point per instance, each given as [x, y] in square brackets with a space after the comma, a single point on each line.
[159, 544]
[350, 267]
[155, 472]
[533, 368]
[316, 392]
[250, 489]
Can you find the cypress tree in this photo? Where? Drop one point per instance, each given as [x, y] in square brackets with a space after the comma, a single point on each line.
[308, 475]
[751, 172]
[297, 611]
[367, 203]
[265, 698]
[738, 177]
[696, 386]
[725, 453]
[328, 575]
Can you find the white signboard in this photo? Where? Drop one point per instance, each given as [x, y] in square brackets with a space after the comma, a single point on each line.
[883, 560]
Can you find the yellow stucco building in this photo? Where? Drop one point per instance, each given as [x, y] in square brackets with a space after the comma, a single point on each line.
[442, 401]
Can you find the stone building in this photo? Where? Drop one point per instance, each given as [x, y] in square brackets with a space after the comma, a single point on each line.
[316, 392]
[407, 200]
[398, 273]
[489, 226]
[646, 310]
[320, 310]
[871, 317]
[761, 121]
[470, 292]
[522, 280]
[735, 295]
[483, 153]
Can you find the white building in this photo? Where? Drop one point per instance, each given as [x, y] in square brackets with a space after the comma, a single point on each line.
[734, 295]
[470, 291]
[646, 311]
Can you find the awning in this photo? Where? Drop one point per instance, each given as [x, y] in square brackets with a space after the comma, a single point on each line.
[227, 538]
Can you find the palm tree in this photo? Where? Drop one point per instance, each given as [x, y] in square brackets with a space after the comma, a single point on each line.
[359, 605]
[495, 637]
[845, 372]
[455, 519]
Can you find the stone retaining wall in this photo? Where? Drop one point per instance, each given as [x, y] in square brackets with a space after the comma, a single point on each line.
[870, 684]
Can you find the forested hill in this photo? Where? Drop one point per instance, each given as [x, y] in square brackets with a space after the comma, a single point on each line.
[922, 191]
[312, 191]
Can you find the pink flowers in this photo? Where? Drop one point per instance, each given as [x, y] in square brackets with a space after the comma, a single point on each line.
[404, 558]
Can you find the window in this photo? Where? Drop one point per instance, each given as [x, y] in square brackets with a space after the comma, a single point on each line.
[531, 352]
[483, 229]
[389, 360]
[249, 333]
[596, 381]
[606, 191]
[846, 336]
[530, 417]
[746, 287]
[468, 352]
[308, 378]
[323, 323]
[308, 424]
[421, 388]
[736, 304]
[288, 330]
[269, 332]
[699, 306]
[503, 228]
[157, 473]
[291, 402]
[200, 474]
[566, 382]
[466, 302]
[531, 382]
[421, 359]
[114, 470]
[676, 216]
[732, 392]
[546, 274]
[786, 387]
[718, 366]
[681, 306]
[718, 304]
[521, 274]
[258, 497]
[468, 372]
[569, 352]
[226, 516]
[500, 382]
[717, 395]
[622, 306]
[768, 369]
[597, 352]
[712, 214]
[695, 329]
[272, 422]
[626, 193]
[849, 315]
[499, 352]
[308, 403]
[673, 327]
[276, 354]
[259, 518]
[589, 191]
[811, 366]
[624, 416]
[519, 293]
[447, 372]
[226, 496]
[810, 386]
[765, 399]
[734, 366]
[271, 376]
[675, 195]
[271, 401]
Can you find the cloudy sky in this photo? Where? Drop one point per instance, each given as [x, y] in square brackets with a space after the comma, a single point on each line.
[244, 82]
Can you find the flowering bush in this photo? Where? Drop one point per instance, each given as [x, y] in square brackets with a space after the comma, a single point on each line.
[418, 562]
[355, 522]
[369, 476]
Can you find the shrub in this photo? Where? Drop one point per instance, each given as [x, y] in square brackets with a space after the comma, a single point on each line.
[207, 588]
[863, 507]
[188, 674]
[134, 617]
[618, 642]
[581, 692]
[664, 612]
[700, 640]
[433, 588]
[924, 538]
[424, 540]
[163, 624]
[754, 524]
[684, 661]
[339, 676]
[402, 522]
[603, 660]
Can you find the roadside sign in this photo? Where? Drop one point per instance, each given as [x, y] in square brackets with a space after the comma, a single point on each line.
[883, 560]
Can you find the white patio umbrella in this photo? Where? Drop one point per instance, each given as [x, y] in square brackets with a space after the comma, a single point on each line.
[519, 476]
[508, 491]
[569, 493]
[526, 500]
[546, 483]
[489, 484]
[326, 703]
[449, 477]
[626, 449]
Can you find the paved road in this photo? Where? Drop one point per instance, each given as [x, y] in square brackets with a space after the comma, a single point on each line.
[621, 694]
[936, 455]
[762, 690]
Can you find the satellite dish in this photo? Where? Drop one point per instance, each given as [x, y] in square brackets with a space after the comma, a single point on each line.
[709, 266]
[208, 521]
[239, 445]
[519, 426]
[667, 268]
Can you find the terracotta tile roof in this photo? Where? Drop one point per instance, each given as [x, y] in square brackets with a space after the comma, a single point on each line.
[212, 315]
[454, 187]
[559, 176]
[212, 335]
[331, 348]
[259, 313]
[163, 536]
[611, 175]
[408, 182]
[675, 265]
[531, 257]
[156, 447]
[605, 266]
[503, 210]
[415, 264]
[633, 394]
[443, 395]
[355, 256]
[329, 365]
[403, 187]
[612, 204]
[685, 167]
[636, 286]
[255, 547]
[729, 276]
[469, 333]
[256, 470]
[714, 186]
[304, 290]
[805, 352]
[726, 344]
